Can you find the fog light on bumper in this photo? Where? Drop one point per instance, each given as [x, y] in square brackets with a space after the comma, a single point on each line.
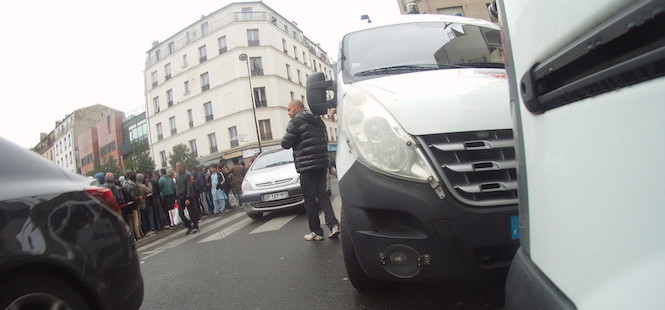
[403, 261]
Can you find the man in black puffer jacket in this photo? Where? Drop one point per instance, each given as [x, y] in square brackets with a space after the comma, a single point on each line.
[307, 135]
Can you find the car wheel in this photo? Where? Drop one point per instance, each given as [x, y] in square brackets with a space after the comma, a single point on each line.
[255, 215]
[357, 276]
[40, 291]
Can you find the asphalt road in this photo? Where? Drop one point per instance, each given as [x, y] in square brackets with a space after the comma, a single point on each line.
[237, 263]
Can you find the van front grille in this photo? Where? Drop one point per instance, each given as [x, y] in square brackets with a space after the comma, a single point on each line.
[478, 168]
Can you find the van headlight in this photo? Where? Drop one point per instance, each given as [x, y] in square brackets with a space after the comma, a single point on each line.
[379, 140]
[246, 186]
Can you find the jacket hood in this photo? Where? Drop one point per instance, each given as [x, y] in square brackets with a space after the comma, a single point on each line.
[140, 177]
[100, 177]
[451, 100]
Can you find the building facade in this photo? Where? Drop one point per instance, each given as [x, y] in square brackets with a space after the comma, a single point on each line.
[468, 8]
[61, 145]
[207, 84]
[101, 142]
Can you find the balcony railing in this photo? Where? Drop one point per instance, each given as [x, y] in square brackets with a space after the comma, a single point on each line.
[234, 143]
[213, 149]
[266, 136]
[205, 87]
[209, 117]
[160, 137]
[174, 131]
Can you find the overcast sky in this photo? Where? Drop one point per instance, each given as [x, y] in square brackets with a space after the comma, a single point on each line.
[59, 56]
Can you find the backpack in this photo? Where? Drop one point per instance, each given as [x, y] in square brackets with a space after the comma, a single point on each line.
[199, 183]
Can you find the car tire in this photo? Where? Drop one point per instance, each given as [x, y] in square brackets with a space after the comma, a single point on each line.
[255, 215]
[357, 276]
[41, 291]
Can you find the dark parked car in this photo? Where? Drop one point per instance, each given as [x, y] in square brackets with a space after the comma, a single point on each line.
[62, 246]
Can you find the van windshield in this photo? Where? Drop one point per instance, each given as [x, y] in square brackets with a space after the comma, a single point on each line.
[420, 46]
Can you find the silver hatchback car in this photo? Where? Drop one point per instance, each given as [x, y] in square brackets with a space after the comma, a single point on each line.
[272, 183]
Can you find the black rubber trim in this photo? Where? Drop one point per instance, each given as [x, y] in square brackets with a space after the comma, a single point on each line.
[627, 49]
[528, 288]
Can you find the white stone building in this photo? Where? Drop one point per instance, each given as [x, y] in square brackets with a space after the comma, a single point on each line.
[198, 92]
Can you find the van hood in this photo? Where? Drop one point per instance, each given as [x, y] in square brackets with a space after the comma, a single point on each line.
[449, 100]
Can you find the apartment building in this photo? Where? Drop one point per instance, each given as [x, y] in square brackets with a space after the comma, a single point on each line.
[468, 8]
[221, 85]
[61, 145]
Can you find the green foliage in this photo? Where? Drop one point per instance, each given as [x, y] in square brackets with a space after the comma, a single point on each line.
[139, 159]
[183, 154]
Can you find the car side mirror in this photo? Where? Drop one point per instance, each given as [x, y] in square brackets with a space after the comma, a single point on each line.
[317, 88]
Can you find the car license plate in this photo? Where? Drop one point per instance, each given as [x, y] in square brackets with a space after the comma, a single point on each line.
[275, 196]
[514, 227]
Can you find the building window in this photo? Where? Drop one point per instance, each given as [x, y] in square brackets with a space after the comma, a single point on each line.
[295, 52]
[288, 72]
[167, 71]
[304, 59]
[203, 54]
[247, 13]
[154, 79]
[207, 107]
[256, 66]
[86, 160]
[453, 10]
[253, 37]
[205, 83]
[169, 97]
[185, 63]
[205, 29]
[260, 99]
[293, 96]
[264, 129]
[108, 148]
[212, 140]
[286, 51]
[192, 147]
[174, 129]
[171, 48]
[155, 102]
[299, 77]
[186, 87]
[190, 117]
[162, 155]
[314, 65]
[233, 136]
[302, 98]
[160, 134]
[158, 55]
[222, 44]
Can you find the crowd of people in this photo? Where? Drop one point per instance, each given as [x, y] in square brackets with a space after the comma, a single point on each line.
[151, 202]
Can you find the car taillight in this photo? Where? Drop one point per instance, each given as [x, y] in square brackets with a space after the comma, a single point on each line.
[105, 196]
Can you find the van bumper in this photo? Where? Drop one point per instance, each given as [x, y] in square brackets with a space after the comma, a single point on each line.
[459, 241]
[527, 287]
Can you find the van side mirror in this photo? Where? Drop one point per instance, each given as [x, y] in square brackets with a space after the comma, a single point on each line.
[317, 87]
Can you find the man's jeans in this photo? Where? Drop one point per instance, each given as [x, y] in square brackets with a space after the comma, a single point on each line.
[313, 185]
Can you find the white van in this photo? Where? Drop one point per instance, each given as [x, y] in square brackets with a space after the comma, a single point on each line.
[586, 80]
[425, 155]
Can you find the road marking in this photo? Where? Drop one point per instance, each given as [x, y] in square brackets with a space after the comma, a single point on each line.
[274, 224]
[176, 238]
[227, 231]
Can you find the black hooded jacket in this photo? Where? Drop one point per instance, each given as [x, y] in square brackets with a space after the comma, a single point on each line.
[308, 137]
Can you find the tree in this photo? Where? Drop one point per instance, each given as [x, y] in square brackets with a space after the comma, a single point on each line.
[139, 159]
[109, 165]
[183, 154]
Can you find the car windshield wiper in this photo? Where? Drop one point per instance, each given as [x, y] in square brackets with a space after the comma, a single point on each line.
[397, 69]
[497, 65]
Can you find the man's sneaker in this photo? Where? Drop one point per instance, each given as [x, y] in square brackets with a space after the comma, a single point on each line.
[195, 230]
[189, 231]
[313, 237]
[334, 232]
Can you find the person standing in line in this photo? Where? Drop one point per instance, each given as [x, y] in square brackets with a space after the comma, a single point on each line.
[200, 189]
[147, 210]
[168, 196]
[216, 180]
[227, 186]
[307, 135]
[186, 198]
[238, 175]
[132, 198]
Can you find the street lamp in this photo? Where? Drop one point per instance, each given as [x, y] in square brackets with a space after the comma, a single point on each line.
[243, 57]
